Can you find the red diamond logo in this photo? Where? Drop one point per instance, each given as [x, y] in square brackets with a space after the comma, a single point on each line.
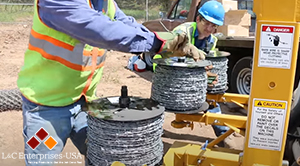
[42, 134]
[33, 142]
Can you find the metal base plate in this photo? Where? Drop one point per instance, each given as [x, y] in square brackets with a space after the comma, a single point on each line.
[188, 63]
[139, 109]
[204, 107]
[220, 54]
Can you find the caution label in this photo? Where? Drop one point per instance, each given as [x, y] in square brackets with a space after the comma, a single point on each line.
[269, 104]
[267, 124]
[276, 43]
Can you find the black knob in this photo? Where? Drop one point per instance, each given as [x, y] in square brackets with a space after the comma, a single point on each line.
[124, 100]
[181, 59]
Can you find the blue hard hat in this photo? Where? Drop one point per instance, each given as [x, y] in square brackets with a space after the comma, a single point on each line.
[213, 11]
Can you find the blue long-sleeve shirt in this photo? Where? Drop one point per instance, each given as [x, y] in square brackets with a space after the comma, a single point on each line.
[90, 26]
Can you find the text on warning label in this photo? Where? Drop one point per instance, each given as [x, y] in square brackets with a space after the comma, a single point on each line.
[269, 104]
[279, 29]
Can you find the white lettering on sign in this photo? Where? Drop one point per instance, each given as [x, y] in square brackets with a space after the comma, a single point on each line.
[267, 124]
[276, 43]
[281, 30]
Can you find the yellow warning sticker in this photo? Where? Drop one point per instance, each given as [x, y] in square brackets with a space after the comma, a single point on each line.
[269, 104]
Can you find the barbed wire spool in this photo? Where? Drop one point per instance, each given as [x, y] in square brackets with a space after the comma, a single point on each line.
[10, 99]
[130, 135]
[180, 86]
[220, 66]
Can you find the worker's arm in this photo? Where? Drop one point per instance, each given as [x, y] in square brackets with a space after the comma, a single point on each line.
[77, 19]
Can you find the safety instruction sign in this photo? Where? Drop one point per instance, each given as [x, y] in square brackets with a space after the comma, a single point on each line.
[267, 124]
[276, 45]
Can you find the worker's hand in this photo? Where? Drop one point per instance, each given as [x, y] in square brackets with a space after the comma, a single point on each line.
[212, 78]
[172, 41]
[207, 68]
[177, 45]
[193, 52]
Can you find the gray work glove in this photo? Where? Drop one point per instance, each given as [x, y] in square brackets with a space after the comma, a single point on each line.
[177, 45]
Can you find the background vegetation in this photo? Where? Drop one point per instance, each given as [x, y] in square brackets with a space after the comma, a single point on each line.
[19, 10]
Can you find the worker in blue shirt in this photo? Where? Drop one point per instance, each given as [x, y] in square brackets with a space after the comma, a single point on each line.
[63, 65]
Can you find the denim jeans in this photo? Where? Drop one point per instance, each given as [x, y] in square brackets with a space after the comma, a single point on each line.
[219, 130]
[60, 123]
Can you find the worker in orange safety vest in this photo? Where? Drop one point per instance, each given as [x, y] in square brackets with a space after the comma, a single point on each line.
[64, 63]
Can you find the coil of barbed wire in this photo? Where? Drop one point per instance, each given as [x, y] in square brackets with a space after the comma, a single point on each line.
[10, 99]
[179, 88]
[220, 65]
[134, 143]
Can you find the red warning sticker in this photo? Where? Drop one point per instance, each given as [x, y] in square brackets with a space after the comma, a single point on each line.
[276, 44]
[278, 29]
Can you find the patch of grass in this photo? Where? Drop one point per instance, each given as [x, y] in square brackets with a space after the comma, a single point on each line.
[141, 14]
[11, 13]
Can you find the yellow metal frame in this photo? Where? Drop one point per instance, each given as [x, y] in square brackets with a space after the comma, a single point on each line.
[238, 99]
[186, 120]
[182, 154]
[272, 84]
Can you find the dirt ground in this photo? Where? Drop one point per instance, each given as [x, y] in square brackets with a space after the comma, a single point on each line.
[13, 43]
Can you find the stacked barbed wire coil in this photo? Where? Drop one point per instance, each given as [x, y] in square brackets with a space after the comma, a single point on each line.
[179, 88]
[10, 99]
[134, 143]
[220, 65]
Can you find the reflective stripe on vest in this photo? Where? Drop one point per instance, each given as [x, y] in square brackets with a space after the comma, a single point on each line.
[191, 32]
[53, 49]
[187, 27]
[157, 56]
[214, 40]
[108, 4]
